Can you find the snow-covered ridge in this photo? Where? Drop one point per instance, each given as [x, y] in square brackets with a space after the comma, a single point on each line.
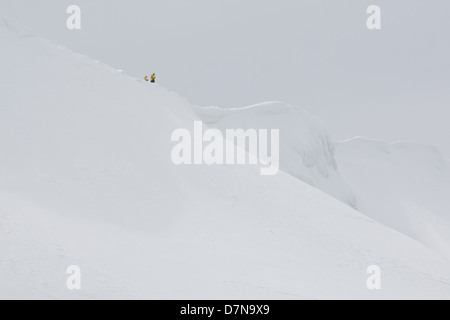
[403, 185]
[306, 148]
[86, 178]
[15, 27]
[427, 152]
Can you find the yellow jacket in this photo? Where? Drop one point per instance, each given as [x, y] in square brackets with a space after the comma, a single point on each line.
[153, 77]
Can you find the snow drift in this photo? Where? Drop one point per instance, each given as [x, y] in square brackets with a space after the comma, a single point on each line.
[306, 148]
[86, 179]
[403, 185]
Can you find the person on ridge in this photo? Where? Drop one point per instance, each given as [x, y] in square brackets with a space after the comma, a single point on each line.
[146, 78]
[153, 78]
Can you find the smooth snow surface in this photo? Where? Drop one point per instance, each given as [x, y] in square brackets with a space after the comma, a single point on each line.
[403, 185]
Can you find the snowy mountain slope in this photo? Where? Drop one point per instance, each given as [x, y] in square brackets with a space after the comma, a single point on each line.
[306, 148]
[403, 185]
[86, 179]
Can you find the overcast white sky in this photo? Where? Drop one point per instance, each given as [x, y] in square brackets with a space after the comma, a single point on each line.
[390, 84]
